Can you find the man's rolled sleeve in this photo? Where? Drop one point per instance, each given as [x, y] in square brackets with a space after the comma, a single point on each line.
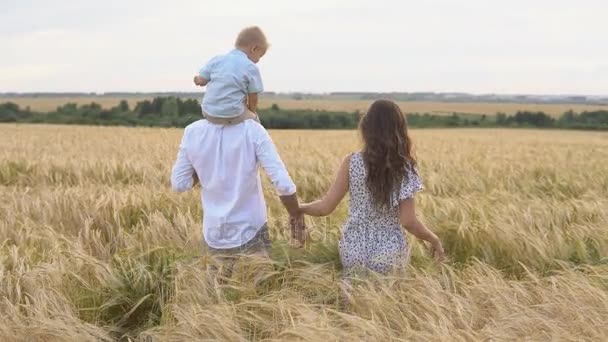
[183, 171]
[267, 155]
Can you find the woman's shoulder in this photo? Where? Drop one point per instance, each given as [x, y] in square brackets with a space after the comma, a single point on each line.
[411, 166]
[354, 157]
[355, 162]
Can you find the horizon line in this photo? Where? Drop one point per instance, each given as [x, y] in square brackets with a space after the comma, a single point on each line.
[198, 93]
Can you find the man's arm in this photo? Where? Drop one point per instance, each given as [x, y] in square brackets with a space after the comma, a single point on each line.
[296, 218]
[270, 161]
[183, 176]
[252, 102]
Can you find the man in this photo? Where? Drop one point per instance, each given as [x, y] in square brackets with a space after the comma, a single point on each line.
[224, 154]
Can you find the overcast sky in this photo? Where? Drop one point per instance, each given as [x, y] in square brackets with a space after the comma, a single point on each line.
[478, 46]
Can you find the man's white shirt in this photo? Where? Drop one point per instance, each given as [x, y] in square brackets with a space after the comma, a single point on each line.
[226, 159]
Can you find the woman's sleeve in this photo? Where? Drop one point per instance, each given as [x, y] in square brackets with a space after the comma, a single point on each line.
[411, 184]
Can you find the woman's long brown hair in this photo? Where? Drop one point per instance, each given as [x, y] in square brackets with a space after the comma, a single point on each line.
[387, 152]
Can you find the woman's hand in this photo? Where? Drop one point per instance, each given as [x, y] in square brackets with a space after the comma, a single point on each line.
[437, 251]
[316, 208]
[304, 207]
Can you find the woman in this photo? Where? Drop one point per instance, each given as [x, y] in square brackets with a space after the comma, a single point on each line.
[382, 180]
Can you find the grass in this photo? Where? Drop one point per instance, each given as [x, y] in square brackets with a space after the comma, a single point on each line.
[95, 247]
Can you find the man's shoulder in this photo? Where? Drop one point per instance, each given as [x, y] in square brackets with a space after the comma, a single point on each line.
[249, 125]
[256, 132]
[195, 126]
[255, 127]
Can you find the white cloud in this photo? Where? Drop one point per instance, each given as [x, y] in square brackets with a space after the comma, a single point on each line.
[21, 71]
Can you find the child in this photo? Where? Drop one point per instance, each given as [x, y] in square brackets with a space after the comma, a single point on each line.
[233, 80]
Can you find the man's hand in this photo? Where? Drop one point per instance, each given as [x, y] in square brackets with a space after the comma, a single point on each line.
[296, 218]
[298, 229]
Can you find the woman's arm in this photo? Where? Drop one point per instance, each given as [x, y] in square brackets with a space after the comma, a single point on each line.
[407, 216]
[335, 194]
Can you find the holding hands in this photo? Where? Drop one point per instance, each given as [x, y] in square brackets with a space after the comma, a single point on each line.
[298, 229]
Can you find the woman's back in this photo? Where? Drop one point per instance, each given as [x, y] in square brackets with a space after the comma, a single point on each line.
[362, 207]
[372, 237]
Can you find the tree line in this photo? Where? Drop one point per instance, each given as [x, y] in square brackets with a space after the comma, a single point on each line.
[177, 112]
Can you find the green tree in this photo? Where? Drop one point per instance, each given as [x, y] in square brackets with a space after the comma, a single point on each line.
[169, 107]
[144, 108]
[501, 118]
[9, 112]
[123, 106]
[189, 107]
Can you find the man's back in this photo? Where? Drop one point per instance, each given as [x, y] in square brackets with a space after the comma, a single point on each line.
[225, 159]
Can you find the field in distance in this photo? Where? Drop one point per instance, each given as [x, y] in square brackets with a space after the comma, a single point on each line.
[50, 103]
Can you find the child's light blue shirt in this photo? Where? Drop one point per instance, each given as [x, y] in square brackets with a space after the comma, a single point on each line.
[231, 78]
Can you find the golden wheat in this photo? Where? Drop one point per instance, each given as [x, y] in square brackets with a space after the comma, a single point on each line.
[95, 246]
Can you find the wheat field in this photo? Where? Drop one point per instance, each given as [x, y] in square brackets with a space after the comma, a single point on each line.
[46, 104]
[95, 246]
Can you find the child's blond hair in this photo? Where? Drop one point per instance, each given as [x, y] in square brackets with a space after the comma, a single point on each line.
[249, 36]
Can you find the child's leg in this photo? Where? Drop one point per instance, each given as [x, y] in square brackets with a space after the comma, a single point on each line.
[251, 115]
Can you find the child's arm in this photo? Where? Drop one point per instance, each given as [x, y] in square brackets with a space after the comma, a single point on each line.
[336, 193]
[204, 75]
[200, 81]
[252, 102]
